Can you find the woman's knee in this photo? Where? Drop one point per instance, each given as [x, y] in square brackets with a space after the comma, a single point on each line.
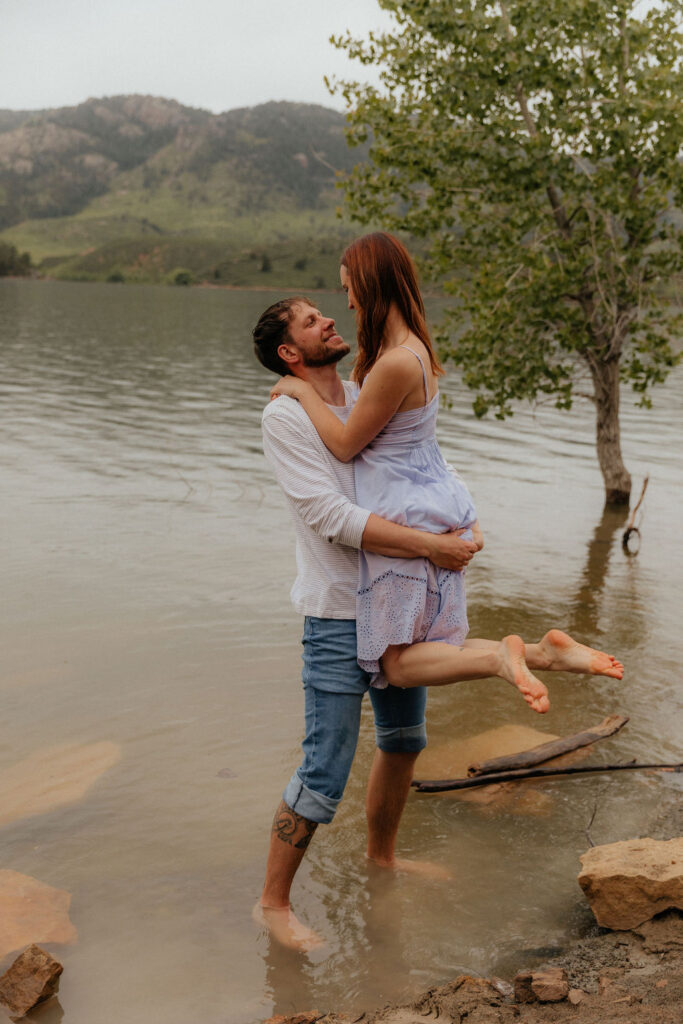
[392, 666]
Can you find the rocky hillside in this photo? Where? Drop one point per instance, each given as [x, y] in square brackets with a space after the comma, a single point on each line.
[54, 162]
[138, 186]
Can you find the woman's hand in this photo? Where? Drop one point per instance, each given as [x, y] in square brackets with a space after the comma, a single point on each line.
[477, 535]
[291, 386]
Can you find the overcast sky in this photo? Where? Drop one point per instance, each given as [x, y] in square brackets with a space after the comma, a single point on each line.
[215, 54]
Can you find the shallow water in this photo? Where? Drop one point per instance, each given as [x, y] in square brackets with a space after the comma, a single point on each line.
[147, 559]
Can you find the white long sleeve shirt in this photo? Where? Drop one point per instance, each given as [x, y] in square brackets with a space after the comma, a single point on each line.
[320, 493]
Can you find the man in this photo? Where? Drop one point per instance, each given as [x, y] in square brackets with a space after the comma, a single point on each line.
[293, 337]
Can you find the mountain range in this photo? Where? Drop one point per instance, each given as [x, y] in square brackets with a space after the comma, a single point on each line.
[143, 188]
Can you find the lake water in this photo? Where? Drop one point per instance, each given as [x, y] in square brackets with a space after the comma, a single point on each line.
[146, 564]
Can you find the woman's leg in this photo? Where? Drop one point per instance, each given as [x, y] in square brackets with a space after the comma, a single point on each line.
[438, 664]
[559, 652]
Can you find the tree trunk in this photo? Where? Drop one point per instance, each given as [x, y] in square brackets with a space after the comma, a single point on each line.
[605, 374]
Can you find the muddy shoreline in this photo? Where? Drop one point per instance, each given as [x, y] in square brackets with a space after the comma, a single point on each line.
[625, 977]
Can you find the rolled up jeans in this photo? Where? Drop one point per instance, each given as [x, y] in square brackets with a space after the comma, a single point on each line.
[334, 686]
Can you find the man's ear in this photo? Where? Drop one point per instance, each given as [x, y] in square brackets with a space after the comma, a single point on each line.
[288, 353]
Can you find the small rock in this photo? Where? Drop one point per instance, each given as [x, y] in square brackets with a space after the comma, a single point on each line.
[502, 986]
[630, 999]
[628, 883]
[575, 996]
[662, 983]
[550, 985]
[474, 998]
[32, 978]
[522, 987]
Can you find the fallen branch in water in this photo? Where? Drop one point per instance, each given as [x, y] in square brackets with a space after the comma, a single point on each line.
[442, 785]
[631, 529]
[551, 749]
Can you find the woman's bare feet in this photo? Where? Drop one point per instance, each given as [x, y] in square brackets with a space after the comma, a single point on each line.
[286, 928]
[515, 669]
[567, 655]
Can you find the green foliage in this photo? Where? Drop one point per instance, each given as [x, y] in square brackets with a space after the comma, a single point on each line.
[182, 277]
[535, 144]
[300, 263]
[12, 263]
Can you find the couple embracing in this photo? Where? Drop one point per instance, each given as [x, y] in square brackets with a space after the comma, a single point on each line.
[384, 531]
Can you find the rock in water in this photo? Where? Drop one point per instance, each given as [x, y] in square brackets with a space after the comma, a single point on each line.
[628, 883]
[31, 910]
[32, 978]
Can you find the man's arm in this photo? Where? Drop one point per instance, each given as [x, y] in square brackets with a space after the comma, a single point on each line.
[303, 469]
[447, 550]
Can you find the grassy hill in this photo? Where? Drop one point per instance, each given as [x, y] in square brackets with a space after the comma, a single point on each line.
[144, 189]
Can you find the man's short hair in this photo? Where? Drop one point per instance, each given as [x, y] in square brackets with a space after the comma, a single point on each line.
[272, 330]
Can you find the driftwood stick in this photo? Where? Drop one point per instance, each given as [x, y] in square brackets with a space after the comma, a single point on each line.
[632, 520]
[632, 530]
[553, 748]
[442, 785]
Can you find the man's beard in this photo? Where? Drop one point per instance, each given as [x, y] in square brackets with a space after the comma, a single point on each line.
[325, 356]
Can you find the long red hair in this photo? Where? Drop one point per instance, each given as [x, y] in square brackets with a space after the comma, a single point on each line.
[381, 272]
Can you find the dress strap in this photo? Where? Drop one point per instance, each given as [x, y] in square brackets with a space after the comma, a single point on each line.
[424, 372]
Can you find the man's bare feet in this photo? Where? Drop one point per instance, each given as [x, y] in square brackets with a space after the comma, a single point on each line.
[423, 868]
[567, 655]
[515, 669]
[286, 928]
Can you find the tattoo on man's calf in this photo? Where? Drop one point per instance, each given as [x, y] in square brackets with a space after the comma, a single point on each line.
[293, 828]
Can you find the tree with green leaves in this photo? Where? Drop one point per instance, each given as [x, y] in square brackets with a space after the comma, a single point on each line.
[535, 145]
[13, 263]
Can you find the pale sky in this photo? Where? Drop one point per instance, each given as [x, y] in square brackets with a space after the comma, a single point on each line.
[214, 54]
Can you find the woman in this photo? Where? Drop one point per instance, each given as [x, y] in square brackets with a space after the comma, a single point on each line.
[411, 616]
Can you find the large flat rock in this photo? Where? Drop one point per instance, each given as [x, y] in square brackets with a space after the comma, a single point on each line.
[53, 777]
[628, 883]
[31, 911]
[451, 760]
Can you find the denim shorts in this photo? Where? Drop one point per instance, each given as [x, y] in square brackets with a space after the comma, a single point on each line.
[334, 686]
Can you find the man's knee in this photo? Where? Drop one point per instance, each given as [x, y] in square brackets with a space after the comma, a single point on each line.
[308, 803]
[401, 739]
[400, 726]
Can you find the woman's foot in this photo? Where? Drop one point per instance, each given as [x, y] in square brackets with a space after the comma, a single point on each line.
[515, 669]
[567, 655]
[286, 928]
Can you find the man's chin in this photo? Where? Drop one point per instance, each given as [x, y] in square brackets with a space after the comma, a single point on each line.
[327, 358]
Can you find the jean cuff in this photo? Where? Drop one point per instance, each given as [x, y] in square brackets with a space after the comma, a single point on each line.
[401, 740]
[309, 804]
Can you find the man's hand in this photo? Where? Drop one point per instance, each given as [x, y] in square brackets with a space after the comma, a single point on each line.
[450, 551]
[289, 385]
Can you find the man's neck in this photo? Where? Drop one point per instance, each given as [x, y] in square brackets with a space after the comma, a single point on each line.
[327, 383]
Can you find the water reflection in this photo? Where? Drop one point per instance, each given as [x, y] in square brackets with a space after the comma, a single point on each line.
[585, 606]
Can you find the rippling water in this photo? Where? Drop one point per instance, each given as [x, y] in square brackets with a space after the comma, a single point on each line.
[147, 558]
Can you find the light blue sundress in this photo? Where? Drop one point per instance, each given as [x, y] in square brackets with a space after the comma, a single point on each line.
[402, 476]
